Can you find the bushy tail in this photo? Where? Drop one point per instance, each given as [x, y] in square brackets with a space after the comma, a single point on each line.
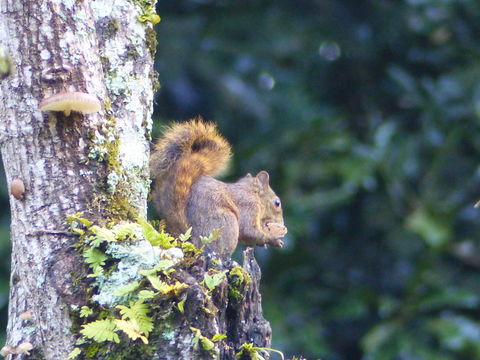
[185, 152]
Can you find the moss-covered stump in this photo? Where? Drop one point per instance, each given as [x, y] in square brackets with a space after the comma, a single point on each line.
[152, 296]
[231, 312]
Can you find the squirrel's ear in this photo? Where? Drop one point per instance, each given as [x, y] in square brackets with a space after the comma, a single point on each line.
[248, 175]
[263, 177]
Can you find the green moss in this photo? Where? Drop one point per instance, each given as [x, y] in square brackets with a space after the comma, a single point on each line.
[111, 28]
[108, 105]
[121, 205]
[127, 351]
[113, 158]
[238, 275]
[151, 40]
[155, 82]
[105, 61]
[148, 13]
[112, 181]
[166, 331]
[115, 203]
[92, 350]
[125, 262]
[132, 52]
[6, 64]
[239, 279]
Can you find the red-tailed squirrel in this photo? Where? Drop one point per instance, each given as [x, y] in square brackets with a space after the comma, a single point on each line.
[186, 195]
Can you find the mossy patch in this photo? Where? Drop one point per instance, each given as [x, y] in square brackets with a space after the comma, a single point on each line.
[151, 39]
[148, 12]
[129, 271]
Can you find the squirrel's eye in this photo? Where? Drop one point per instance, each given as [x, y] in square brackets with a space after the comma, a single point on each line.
[277, 202]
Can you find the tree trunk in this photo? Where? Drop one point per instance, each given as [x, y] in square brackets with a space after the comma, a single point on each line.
[96, 164]
[57, 46]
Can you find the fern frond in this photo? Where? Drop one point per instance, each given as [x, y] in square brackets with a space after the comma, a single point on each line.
[155, 237]
[95, 259]
[157, 283]
[137, 311]
[162, 265]
[187, 235]
[100, 331]
[165, 288]
[132, 329]
[146, 294]
[126, 230]
[101, 235]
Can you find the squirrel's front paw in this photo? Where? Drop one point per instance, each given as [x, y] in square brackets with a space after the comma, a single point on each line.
[276, 231]
[276, 243]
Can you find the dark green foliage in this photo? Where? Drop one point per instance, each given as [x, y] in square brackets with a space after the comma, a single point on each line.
[365, 113]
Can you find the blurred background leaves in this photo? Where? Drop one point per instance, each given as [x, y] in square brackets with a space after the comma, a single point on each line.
[366, 115]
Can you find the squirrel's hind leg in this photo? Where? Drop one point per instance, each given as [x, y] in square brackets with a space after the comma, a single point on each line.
[226, 222]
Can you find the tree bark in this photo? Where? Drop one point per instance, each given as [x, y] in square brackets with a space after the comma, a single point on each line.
[96, 164]
[95, 47]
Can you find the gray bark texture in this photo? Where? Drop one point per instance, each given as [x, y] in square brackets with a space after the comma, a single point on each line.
[65, 46]
[66, 165]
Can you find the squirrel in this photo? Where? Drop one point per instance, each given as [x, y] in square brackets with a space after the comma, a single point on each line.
[186, 195]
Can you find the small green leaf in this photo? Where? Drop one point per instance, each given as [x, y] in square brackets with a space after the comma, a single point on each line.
[165, 288]
[213, 236]
[180, 306]
[187, 235]
[189, 247]
[197, 335]
[207, 344]
[85, 311]
[434, 229]
[74, 353]
[165, 241]
[254, 351]
[212, 281]
[77, 217]
[81, 341]
[156, 282]
[78, 231]
[154, 237]
[218, 337]
[149, 231]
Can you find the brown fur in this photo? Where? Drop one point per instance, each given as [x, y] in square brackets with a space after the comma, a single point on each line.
[185, 194]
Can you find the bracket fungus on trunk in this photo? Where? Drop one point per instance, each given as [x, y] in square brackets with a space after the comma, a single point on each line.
[17, 188]
[67, 102]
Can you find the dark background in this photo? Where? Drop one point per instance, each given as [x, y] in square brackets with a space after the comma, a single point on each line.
[366, 115]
